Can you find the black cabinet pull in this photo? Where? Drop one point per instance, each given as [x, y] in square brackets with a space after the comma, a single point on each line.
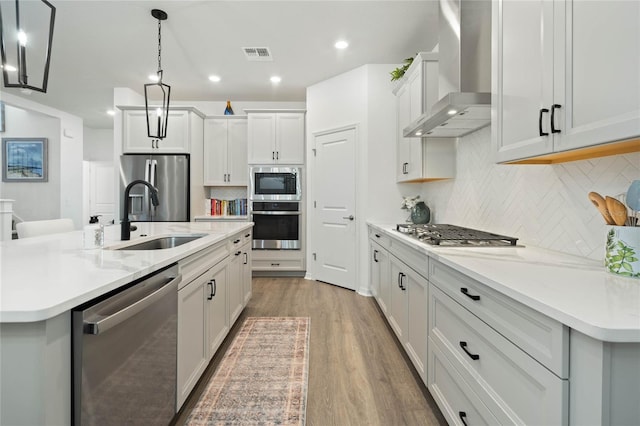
[238, 253]
[247, 235]
[375, 256]
[212, 292]
[236, 241]
[553, 120]
[465, 291]
[401, 275]
[463, 416]
[277, 155]
[542, 111]
[377, 235]
[474, 357]
[404, 168]
[273, 155]
[246, 258]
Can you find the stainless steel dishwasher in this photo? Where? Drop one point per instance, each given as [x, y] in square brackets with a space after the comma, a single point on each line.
[125, 354]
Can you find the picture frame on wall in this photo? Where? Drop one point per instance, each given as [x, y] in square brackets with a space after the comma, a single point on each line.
[24, 160]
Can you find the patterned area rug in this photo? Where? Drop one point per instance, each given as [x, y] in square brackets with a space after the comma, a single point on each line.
[262, 378]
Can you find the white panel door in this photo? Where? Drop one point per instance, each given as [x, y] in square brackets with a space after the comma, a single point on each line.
[334, 219]
[101, 196]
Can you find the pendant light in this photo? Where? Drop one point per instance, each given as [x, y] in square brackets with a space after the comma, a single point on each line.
[27, 25]
[158, 113]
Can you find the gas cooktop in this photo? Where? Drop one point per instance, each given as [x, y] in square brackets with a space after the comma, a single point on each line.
[454, 236]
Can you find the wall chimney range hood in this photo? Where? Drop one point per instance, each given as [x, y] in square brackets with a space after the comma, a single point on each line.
[464, 84]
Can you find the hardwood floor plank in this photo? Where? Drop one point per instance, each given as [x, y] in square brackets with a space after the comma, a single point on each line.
[358, 375]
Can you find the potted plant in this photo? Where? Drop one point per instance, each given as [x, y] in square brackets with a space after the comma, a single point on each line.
[398, 73]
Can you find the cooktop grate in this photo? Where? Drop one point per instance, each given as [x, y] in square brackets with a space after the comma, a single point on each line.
[455, 236]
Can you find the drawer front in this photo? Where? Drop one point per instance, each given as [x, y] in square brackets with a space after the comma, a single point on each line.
[277, 265]
[379, 237]
[455, 398]
[418, 261]
[515, 387]
[543, 338]
[199, 262]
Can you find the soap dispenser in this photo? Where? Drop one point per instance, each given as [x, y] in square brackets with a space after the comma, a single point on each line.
[93, 234]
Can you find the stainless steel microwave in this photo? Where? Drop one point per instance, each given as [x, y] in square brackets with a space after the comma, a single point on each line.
[275, 183]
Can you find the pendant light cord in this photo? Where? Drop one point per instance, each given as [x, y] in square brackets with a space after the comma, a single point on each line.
[160, 49]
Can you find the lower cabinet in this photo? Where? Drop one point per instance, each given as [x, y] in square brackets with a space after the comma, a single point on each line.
[380, 276]
[216, 286]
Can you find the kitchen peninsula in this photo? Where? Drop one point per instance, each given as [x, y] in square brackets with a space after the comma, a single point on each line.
[43, 278]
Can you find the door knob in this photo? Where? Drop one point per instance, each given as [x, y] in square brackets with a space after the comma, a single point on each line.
[350, 217]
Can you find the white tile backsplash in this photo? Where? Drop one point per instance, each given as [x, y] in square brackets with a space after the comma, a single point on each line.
[543, 205]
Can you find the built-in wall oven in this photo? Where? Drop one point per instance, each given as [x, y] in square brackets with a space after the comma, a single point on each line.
[275, 183]
[277, 225]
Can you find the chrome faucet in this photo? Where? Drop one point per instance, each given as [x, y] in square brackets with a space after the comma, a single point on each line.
[125, 225]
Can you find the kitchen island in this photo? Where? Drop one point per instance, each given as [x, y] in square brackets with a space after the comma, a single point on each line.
[512, 334]
[43, 278]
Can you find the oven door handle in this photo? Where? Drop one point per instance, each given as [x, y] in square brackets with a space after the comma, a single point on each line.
[277, 213]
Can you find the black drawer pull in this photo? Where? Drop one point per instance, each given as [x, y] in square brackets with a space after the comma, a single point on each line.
[463, 416]
[542, 111]
[247, 235]
[377, 235]
[238, 253]
[375, 256]
[553, 119]
[236, 241]
[212, 293]
[400, 277]
[474, 357]
[465, 291]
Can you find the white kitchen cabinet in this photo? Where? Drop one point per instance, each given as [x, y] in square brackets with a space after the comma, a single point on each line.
[247, 288]
[397, 316]
[380, 276]
[217, 324]
[565, 76]
[421, 159]
[276, 137]
[225, 151]
[236, 286]
[179, 132]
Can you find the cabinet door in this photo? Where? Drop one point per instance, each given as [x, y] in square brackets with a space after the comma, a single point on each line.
[215, 151]
[246, 272]
[290, 138]
[380, 277]
[523, 82]
[237, 168]
[217, 308]
[262, 138]
[192, 350]
[599, 93]
[135, 139]
[235, 287]
[398, 295]
[403, 145]
[417, 321]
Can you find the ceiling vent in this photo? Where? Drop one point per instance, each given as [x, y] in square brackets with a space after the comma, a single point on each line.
[257, 53]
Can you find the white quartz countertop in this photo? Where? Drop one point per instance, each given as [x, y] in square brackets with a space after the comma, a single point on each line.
[573, 290]
[42, 277]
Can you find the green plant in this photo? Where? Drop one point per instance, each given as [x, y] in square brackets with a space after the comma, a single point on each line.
[397, 73]
[619, 257]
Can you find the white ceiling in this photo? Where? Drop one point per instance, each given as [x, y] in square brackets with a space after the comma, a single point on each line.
[99, 45]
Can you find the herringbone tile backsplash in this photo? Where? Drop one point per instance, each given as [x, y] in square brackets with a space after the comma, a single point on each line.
[543, 205]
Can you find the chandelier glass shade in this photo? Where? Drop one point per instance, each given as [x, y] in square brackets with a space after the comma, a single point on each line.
[26, 37]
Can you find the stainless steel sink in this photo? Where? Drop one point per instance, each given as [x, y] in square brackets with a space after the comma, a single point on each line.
[160, 243]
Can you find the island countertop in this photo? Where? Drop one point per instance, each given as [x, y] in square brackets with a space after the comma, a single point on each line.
[44, 276]
[573, 290]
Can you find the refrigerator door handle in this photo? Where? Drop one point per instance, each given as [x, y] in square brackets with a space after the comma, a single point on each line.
[154, 178]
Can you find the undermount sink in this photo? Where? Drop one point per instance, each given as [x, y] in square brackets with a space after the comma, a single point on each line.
[160, 243]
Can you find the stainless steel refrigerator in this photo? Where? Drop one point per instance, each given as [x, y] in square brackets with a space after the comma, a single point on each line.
[169, 173]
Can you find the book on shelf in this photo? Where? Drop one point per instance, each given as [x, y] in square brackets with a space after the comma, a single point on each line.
[217, 207]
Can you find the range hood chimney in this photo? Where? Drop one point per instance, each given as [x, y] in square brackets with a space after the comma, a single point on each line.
[464, 65]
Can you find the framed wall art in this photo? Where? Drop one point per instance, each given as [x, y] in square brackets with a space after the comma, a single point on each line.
[24, 160]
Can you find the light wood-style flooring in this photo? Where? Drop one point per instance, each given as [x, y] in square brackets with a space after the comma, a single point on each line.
[358, 375]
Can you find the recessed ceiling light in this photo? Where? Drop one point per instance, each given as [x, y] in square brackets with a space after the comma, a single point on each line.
[111, 112]
[214, 78]
[154, 77]
[276, 79]
[341, 44]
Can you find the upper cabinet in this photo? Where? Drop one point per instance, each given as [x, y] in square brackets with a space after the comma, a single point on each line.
[276, 137]
[179, 132]
[225, 151]
[421, 159]
[565, 77]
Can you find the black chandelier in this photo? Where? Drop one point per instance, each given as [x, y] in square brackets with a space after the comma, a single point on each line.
[27, 25]
[158, 114]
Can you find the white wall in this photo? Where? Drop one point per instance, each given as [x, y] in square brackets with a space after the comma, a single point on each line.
[98, 145]
[35, 200]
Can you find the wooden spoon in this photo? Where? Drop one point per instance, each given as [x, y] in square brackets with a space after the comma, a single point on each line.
[617, 210]
[601, 204]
